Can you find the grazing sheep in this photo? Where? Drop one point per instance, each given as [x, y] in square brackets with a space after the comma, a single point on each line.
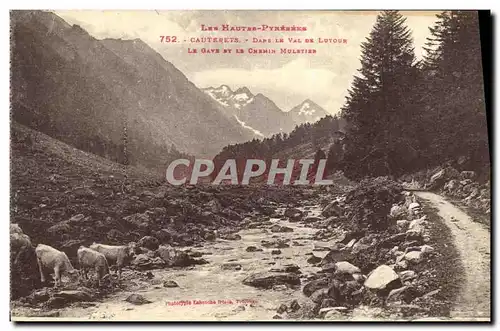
[91, 259]
[50, 258]
[118, 255]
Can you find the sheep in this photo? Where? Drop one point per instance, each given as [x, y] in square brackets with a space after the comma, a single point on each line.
[91, 259]
[50, 258]
[119, 255]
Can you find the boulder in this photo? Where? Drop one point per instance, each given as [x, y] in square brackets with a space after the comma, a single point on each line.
[287, 268]
[137, 299]
[381, 278]
[413, 205]
[426, 249]
[334, 315]
[231, 236]
[170, 284]
[275, 252]
[345, 267]
[231, 266]
[315, 285]
[293, 214]
[278, 228]
[413, 257]
[275, 243]
[269, 279]
[147, 261]
[397, 211]
[319, 295]
[311, 219]
[395, 295]
[253, 249]
[336, 255]
[451, 186]
[392, 240]
[294, 306]
[173, 257]
[282, 309]
[332, 209]
[60, 228]
[314, 259]
[149, 242]
[74, 295]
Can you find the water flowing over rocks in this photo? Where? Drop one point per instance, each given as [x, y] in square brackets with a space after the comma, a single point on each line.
[323, 260]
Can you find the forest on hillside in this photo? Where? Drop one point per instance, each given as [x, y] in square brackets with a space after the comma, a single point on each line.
[403, 114]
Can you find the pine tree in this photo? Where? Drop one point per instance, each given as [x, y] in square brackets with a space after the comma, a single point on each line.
[455, 120]
[377, 102]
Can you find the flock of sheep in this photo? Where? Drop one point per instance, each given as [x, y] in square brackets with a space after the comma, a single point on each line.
[97, 257]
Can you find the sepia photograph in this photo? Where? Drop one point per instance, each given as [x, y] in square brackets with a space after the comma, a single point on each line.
[250, 165]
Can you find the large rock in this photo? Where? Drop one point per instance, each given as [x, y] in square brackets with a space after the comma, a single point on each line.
[332, 209]
[319, 295]
[275, 243]
[336, 255]
[269, 279]
[230, 236]
[397, 211]
[75, 295]
[440, 177]
[383, 277]
[294, 214]
[315, 285]
[149, 242]
[147, 261]
[231, 266]
[414, 257]
[345, 267]
[278, 228]
[137, 299]
[287, 268]
[173, 257]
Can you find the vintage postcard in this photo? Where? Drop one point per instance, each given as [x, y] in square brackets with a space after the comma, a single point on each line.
[249, 165]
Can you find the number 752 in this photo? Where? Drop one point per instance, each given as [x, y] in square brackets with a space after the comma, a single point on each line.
[168, 39]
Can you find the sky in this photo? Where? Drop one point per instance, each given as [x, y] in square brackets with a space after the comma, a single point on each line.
[288, 80]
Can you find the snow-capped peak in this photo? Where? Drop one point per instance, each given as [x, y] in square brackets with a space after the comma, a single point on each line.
[308, 111]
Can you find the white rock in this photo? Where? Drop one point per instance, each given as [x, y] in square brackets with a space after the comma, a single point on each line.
[346, 268]
[426, 249]
[381, 277]
[351, 243]
[422, 221]
[413, 205]
[413, 257]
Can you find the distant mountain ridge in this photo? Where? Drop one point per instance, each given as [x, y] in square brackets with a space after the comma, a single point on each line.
[260, 113]
[116, 98]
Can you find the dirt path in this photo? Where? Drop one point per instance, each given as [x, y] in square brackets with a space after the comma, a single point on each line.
[472, 241]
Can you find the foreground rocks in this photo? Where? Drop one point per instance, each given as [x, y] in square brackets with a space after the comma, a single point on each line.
[376, 265]
[267, 280]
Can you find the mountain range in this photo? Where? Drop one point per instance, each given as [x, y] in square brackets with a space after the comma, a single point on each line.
[260, 113]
